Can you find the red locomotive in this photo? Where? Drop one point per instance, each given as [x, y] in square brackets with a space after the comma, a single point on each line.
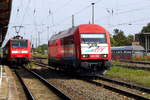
[17, 51]
[82, 48]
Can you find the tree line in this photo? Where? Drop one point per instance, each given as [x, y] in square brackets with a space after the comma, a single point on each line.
[119, 38]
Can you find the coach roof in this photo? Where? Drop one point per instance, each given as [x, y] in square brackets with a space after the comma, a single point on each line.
[82, 29]
[135, 48]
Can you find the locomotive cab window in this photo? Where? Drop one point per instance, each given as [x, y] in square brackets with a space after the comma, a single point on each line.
[19, 43]
[93, 38]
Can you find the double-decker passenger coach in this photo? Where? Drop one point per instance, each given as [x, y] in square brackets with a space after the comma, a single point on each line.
[82, 48]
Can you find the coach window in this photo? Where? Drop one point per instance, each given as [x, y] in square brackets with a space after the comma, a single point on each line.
[19, 43]
[93, 38]
[23, 44]
[15, 44]
[130, 52]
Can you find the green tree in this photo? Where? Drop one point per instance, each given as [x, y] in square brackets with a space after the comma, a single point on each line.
[112, 41]
[146, 28]
[130, 39]
[41, 48]
[119, 38]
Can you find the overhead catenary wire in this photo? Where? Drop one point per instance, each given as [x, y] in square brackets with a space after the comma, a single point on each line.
[62, 21]
[130, 22]
[18, 27]
[76, 13]
[55, 24]
[63, 6]
[123, 12]
[25, 12]
[18, 11]
[132, 10]
[52, 13]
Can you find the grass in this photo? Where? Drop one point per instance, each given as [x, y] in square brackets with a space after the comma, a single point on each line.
[116, 62]
[140, 77]
[40, 55]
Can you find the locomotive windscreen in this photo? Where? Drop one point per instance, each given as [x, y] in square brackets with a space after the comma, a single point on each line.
[93, 38]
[19, 43]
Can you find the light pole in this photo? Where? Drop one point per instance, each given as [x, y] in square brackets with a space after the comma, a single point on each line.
[110, 12]
[92, 12]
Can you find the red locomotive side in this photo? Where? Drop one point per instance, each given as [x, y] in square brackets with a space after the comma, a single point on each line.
[17, 51]
[56, 49]
[79, 48]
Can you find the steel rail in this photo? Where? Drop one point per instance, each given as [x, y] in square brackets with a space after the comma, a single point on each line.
[39, 57]
[100, 77]
[139, 62]
[121, 83]
[129, 85]
[133, 67]
[50, 86]
[26, 90]
[128, 94]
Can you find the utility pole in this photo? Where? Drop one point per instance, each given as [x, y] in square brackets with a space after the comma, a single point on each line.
[48, 33]
[92, 12]
[72, 21]
[39, 38]
[17, 29]
[110, 12]
[36, 41]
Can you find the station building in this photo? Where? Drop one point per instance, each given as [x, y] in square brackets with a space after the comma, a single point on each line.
[5, 9]
[144, 40]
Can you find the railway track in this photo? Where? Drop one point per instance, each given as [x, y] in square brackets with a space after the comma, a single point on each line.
[33, 87]
[124, 66]
[133, 67]
[127, 89]
[142, 65]
[25, 88]
[137, 62]
[120, 91]
[129, 61]
[130, 90]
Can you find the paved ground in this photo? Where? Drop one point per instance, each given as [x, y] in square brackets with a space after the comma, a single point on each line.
[3, 84]
[7, 85]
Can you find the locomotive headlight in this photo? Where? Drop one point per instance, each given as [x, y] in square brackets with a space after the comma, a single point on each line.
[14, 51]
[85, 56]
[24, 51]
[104, 55]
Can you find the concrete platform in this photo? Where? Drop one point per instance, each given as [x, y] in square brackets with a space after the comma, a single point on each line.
[7, 85]
[3, 85]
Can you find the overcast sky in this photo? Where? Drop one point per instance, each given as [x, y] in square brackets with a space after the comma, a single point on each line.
[47, 17]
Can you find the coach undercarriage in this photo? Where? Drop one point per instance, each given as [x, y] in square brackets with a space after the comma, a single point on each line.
[16, 61]
[82, 66]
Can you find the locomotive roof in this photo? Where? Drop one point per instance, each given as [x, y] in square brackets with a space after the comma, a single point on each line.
[63, 34]
[133, 48]
[18, 39]
[71, 31]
